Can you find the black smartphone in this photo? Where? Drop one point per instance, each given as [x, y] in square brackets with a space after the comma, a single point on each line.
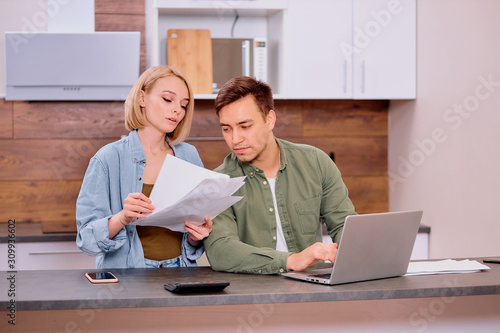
[101, 277]
[493, 260]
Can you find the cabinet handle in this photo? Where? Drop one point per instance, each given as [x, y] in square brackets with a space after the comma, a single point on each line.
[55, 252]
[363, 77]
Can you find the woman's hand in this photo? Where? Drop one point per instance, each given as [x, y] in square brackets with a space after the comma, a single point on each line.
[135, 205]
[198, 233]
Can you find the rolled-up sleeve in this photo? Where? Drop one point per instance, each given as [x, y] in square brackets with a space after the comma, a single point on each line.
[93, 209]
[190, 253]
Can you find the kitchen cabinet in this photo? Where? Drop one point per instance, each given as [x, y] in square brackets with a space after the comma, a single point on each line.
[316, 66]
[384, 44]
[47, 255]
[351, 49]
[317, 49]
[54, 255]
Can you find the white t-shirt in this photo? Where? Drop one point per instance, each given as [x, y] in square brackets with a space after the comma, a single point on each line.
[280, 241]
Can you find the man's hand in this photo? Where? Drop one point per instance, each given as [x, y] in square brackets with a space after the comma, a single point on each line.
[311, 255]
[198, 233]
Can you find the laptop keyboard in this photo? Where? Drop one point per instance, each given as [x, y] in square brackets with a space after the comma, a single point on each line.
[322, 276]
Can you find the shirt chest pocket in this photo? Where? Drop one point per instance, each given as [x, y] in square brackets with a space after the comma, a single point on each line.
[308, 214]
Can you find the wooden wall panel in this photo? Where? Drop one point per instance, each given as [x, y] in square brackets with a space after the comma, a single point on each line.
[87, 120]
[346, 118]
[307, 118]
[212, 152]
[50, 203]
[205, 121]
[290, 118]
[359, 156]
[368, 194]
[52, 159]
[354, 156]
[6, 123]
[136, 7]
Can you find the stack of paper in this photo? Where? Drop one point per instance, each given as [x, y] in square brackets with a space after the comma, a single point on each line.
[186, 192]
[444, 267]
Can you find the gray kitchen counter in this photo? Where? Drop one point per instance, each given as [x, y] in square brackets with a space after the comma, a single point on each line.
[69, 289]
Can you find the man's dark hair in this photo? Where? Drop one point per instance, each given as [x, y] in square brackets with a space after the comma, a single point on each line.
[242, 86]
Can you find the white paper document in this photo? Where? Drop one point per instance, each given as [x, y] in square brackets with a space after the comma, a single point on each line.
[186, 192]
[445, 267]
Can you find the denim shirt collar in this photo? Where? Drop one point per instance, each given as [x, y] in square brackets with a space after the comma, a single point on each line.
[138, 155]
[136, 150]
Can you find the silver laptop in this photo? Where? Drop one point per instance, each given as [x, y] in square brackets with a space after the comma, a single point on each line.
[372, 246]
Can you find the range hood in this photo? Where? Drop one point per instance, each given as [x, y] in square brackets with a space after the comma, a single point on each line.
[71, 66]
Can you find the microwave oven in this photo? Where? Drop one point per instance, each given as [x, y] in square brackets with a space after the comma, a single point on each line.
[238, 56]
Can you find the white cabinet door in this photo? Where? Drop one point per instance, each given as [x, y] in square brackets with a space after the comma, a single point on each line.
[46, 256]
[384, 49]
[315, 62]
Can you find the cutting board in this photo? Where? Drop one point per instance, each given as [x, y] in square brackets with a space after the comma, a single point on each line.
[191, 51]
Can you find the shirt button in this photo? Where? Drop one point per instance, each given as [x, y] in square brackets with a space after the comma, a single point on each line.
[271, 209]
[260, 271]
[257, 170]
[131, 233]
[135, 159]
[281, 270]
[274, 237]
[251, 173]
[264, 182]
[139, 178]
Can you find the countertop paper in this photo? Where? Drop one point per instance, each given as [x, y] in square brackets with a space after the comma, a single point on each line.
[446, 266]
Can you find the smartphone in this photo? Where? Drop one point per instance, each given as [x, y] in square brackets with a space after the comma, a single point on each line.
[495, 260]
[101, 277]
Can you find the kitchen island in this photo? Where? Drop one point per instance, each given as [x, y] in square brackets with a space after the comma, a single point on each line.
[65, 301]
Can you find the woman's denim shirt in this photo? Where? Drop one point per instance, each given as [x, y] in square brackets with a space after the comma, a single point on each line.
[116, 170]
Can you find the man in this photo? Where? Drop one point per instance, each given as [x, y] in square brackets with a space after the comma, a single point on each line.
[288, 189]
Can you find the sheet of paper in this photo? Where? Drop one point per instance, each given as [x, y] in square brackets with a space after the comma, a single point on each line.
[186, 192]
[444, 267]
[176, 179]
[173, 218]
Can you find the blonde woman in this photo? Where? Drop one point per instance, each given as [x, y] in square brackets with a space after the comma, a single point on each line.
[120, 176]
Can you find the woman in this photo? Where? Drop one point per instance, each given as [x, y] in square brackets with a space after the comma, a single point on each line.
[158, 113]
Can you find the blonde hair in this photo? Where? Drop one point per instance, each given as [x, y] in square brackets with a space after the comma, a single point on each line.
[134, 116]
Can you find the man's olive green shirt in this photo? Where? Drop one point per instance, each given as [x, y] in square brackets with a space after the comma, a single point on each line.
[309, 188]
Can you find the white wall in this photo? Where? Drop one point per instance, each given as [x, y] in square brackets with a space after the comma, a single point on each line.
[444, 147]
